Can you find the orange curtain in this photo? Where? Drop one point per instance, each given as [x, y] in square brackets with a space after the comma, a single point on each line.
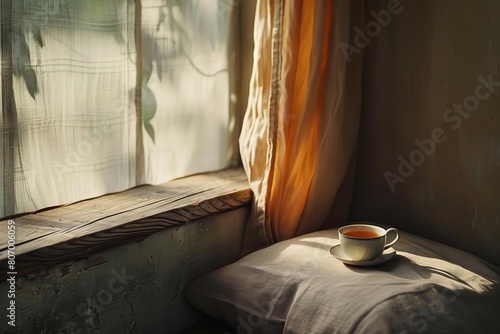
[299, 136]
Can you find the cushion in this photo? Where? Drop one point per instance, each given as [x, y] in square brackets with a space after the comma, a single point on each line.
[297, 286]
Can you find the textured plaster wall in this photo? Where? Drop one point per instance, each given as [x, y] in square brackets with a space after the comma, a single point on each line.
[134, 288]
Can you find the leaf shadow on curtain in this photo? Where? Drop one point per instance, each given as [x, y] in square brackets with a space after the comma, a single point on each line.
[188, 49]
[46, 40]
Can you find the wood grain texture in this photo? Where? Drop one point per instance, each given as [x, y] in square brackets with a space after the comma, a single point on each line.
[74, 231]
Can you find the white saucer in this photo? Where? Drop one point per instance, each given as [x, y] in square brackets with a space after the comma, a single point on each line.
[339, 254]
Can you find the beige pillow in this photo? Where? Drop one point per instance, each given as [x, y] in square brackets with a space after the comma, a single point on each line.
[297, 286]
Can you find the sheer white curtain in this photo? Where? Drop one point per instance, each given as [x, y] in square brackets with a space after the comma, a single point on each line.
[74, 84]
[76, 138]
[188, 48]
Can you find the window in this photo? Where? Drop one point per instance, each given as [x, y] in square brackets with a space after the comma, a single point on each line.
[101, 96]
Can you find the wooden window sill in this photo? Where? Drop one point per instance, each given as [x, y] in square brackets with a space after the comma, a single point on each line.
[75, 231]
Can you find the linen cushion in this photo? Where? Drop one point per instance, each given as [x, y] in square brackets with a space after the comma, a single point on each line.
[297, 286]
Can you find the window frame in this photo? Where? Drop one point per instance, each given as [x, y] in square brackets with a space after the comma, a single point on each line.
[47, 240]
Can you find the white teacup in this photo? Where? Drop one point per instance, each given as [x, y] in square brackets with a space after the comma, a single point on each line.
[363, 242]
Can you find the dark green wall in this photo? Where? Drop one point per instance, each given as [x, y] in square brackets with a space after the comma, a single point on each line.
[134, 288]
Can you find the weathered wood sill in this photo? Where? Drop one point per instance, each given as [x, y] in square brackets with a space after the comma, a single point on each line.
[75, 231]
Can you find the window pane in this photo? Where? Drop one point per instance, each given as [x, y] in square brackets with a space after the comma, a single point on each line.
[187, 82]
[77, 133]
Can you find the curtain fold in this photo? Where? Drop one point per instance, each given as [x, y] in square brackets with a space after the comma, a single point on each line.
[299, 136]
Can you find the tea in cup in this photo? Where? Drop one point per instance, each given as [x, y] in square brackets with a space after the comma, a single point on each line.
[363, 242]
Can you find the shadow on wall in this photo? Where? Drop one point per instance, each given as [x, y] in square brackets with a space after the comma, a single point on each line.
[429, 152]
